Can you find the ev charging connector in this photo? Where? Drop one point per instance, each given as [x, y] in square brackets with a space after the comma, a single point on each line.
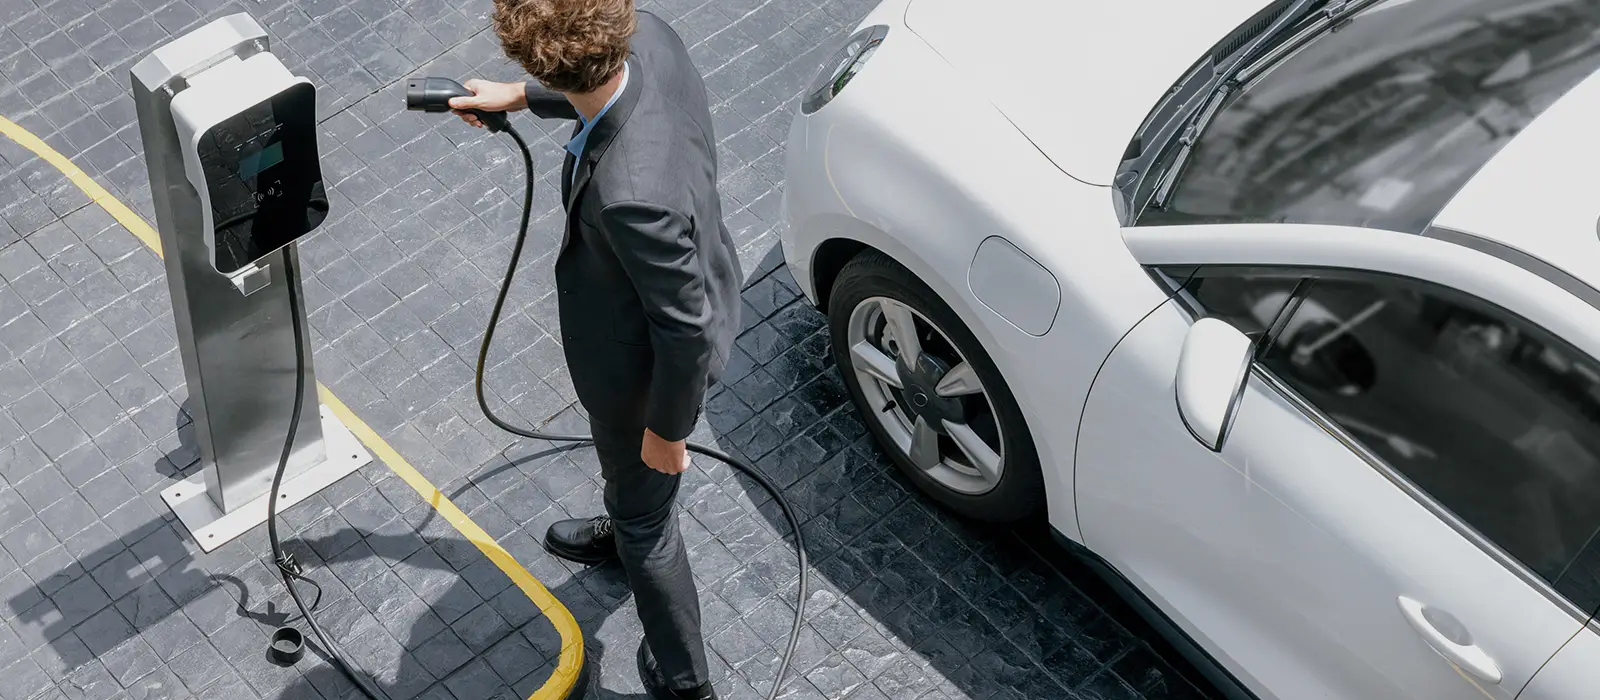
[230, 141]
[433, 94]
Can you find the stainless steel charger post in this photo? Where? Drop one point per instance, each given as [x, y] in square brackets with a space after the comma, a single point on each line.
[230, 143]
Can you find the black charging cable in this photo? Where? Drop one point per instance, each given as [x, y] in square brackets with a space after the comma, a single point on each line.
[291, 570]
[286, 645]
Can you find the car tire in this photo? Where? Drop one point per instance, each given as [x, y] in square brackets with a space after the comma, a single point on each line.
[1018, 490]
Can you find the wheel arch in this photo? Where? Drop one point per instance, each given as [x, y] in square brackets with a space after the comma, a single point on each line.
[828, 261]
[861, 176]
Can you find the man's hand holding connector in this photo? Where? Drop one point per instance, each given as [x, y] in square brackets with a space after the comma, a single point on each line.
[490, 97]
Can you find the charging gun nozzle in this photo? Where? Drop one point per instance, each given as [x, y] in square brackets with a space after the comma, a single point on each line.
[433, 95]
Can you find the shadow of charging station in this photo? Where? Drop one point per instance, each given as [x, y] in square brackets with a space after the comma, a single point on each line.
[230, 140]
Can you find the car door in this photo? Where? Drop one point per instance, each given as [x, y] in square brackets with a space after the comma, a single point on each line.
[1573, 672]
[1398, 490]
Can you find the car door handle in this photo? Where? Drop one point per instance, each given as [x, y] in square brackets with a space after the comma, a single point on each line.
[1460, 650]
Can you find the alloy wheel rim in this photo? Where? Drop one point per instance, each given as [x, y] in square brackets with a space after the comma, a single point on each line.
[925, 396]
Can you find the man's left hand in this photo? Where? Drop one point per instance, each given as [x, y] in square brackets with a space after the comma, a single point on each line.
[664, 456]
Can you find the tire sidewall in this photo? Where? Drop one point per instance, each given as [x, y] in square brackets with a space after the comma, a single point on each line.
[1021, 490]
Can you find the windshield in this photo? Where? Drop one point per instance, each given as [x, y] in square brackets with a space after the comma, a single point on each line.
[1382, 121]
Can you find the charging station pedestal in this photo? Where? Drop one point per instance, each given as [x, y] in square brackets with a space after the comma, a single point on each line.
[229, 136]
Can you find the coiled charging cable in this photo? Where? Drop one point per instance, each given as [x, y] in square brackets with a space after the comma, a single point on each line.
[291, 570]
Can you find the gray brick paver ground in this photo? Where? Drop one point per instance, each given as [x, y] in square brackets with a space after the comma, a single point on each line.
[103, 596]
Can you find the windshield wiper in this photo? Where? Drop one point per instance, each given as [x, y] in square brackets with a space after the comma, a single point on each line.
[1227, 81]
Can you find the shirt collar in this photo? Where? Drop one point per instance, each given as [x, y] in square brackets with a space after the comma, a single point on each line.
[576, 145]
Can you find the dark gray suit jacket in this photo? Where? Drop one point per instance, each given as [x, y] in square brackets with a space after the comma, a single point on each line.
[647, 274]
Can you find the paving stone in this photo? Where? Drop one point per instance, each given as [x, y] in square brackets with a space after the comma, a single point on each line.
[443, 654]
[77, 600]
[23, 333]
[184, 583]
[71, 387]
[110, 364]
[107, 492]
[173, 635]
[41, 488]
[474, 680]
[97, 413]
[28, 540]
[230, 685]
[200, 666]
[34, 410]
[23, 679]
[52, 570]
[68, 516]
[13, 509]
[12, 648]
[59, 436]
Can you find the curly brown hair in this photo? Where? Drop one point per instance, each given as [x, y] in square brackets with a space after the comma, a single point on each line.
[568, 45]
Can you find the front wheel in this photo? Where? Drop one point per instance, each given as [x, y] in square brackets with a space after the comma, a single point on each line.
[931, 396]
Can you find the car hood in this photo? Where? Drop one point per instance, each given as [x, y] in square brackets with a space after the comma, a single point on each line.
[1075, 77]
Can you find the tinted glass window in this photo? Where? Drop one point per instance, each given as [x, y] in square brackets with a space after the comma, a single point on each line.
[1380, 123]
[1249, 299]
[1494, 418]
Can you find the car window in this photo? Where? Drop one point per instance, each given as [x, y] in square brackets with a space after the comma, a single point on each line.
[1494, 418]
[1381, 122]
[1248, 298]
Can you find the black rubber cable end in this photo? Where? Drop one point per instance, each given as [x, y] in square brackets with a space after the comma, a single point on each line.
[288, 645]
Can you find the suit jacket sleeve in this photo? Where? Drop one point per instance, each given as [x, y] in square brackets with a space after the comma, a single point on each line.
[656, 246]
[546, 103]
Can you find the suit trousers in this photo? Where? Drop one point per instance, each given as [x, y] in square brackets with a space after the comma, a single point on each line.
[642, 503]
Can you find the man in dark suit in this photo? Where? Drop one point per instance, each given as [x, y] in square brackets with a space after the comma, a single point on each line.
[648, 282]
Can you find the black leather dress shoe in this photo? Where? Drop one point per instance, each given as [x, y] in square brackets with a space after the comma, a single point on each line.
[585, 541]
[655, 685]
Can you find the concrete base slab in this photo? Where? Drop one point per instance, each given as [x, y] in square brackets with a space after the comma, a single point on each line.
[212, 528]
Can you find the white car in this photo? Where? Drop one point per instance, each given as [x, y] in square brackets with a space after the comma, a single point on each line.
[1289, 316]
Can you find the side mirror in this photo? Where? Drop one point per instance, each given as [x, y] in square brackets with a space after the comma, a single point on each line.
[1212, 369]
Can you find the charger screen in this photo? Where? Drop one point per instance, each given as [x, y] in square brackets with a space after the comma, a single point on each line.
[251, 165]
[263, 178]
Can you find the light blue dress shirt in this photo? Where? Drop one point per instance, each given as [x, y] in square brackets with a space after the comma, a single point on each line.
[578, 142]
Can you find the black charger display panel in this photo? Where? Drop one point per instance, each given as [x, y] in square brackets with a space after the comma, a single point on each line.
[263, 178]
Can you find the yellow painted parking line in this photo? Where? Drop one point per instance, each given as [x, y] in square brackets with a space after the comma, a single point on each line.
[107, 201]
[565, 677]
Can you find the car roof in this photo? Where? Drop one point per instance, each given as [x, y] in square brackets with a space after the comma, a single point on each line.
[1538, 196]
